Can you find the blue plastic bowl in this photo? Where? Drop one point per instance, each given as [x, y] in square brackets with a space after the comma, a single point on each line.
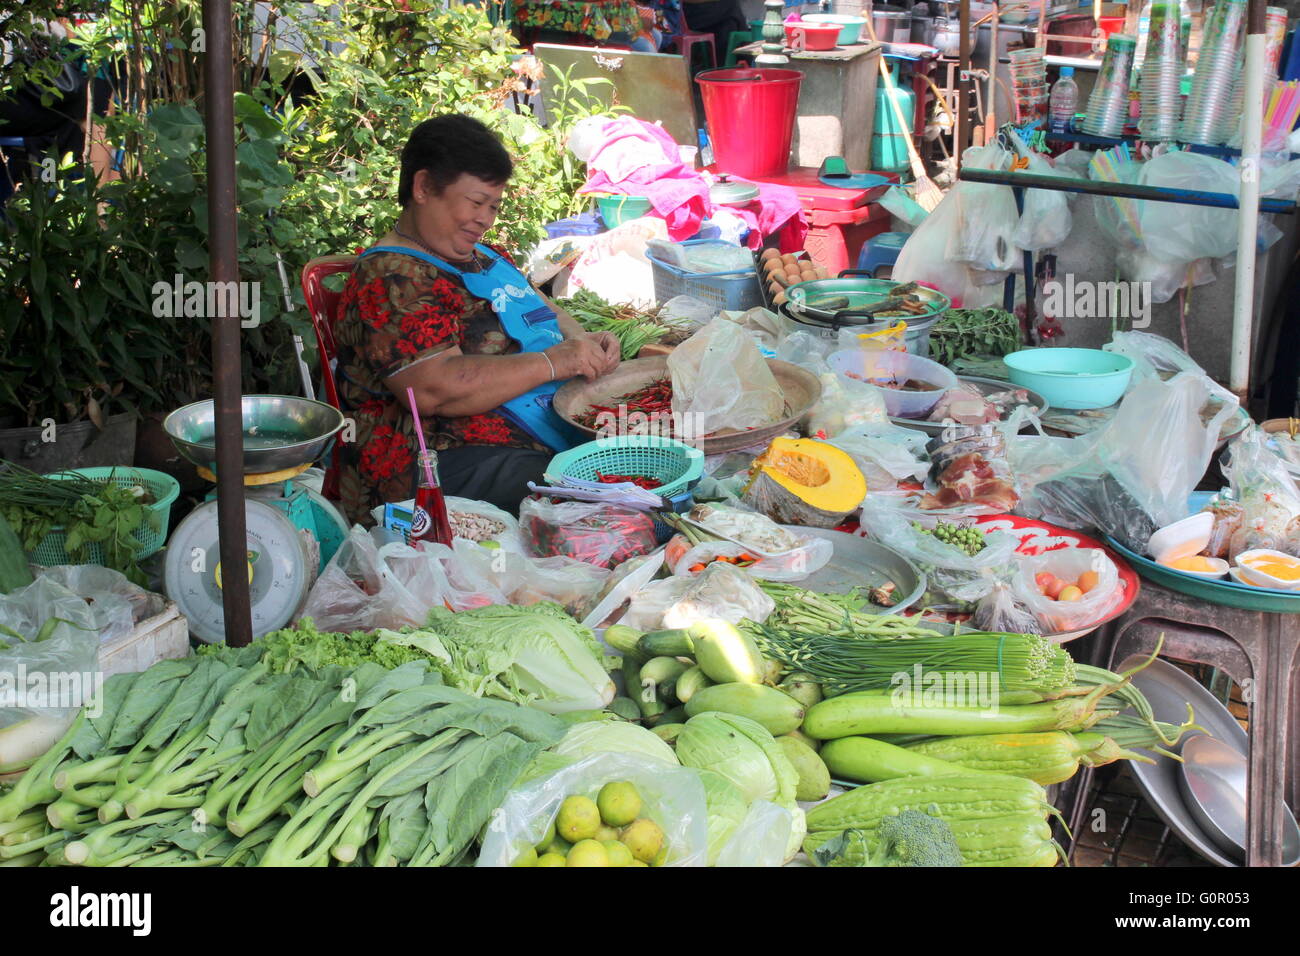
[1072, 378]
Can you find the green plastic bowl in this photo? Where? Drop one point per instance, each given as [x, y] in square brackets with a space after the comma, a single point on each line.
[616, 210]
[1072, 378]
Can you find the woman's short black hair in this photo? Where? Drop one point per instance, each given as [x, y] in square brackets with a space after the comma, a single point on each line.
[447, 146]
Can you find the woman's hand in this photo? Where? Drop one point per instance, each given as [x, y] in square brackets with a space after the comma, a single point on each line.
[611, 346]
[580, 357]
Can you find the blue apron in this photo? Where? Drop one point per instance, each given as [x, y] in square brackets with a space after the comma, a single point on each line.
[526, 319]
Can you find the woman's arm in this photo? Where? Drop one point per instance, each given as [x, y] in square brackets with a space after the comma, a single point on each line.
[453, 385]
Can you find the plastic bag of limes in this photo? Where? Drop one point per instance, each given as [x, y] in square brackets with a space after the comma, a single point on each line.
[607, 809]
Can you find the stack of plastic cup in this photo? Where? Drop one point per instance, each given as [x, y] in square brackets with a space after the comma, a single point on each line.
[1029, 80]
[1162, 73]
[1275, 22]
[1211, 116]
[1108, 104]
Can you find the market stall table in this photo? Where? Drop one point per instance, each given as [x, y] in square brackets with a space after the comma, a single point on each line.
[1248, 645]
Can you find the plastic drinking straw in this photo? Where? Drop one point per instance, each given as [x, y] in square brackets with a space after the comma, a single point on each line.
[419, 433]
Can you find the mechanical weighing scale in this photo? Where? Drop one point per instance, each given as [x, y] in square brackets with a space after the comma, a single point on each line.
[293, 531]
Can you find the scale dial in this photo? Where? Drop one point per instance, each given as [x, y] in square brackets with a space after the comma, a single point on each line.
[281, 572]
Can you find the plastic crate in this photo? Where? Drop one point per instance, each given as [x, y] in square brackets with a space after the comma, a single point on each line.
[736, 291]
[151, 534]
[677, 465]
[584, 224]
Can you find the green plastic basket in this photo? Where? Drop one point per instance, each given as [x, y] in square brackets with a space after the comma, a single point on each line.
[676, 464]
[151, 534]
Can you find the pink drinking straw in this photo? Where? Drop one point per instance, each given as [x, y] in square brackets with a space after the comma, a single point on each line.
[419, 433]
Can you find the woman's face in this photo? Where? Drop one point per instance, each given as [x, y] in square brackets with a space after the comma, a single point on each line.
[451, 223]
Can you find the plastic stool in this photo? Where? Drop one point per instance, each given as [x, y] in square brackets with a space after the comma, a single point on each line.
[686, 43]
[881, 251]
[737, 38]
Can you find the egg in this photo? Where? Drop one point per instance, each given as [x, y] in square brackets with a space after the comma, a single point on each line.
[788, 259]
[808, 274]
[779, 299]
[793, 277]
[774, 287]
[773, 267]
[769, 254]
[822, 273]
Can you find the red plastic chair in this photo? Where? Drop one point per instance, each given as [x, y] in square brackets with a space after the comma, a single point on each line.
[323, 307]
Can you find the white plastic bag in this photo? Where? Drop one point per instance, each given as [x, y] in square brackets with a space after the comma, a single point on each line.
[43, 683]
[614, 265]
[1045, 222]
[507, 538]
[672, 797]
[116, 604]
[789, 567]
[761, 839]
[719, 591]
[721, 380]
[1068, 563]
[885, 453]
[986, 217]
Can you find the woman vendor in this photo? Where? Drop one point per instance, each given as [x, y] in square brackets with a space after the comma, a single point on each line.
[432, 309]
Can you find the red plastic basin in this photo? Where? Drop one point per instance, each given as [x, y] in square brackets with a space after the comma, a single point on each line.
[803, 35]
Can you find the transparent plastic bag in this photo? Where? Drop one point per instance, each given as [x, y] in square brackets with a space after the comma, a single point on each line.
[987, 217]
[844, 404]
[719, 591]
[1138, 472]
[1045, 222]
[116, 604]
[721, 380]
[1228, 516]
[807, 351]
[885, 453]
[598, 534]
[1269, 497]
[356, 592]
[483, 519]
[1068, 563]
[955, 578]
[789, 567]
[673, 797]
[761, 839]
[999, 612]
[44, 683]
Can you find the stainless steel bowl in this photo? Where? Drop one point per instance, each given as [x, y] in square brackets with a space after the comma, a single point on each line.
[280, 431]
[1213, 784]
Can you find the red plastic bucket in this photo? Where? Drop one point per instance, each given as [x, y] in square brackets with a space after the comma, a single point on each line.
[750, 114]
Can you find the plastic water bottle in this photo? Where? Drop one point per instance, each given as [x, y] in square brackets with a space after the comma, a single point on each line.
[1063, 101]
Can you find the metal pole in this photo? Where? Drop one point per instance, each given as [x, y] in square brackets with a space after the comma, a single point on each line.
[223, 266]
[962, 129]
[1248, 203]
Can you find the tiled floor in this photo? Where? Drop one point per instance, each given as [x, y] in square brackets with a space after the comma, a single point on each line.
[1134, 834]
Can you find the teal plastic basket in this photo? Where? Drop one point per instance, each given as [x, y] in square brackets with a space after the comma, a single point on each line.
[152, 533]
[677, 465]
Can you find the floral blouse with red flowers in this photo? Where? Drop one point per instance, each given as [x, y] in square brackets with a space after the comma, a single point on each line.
[397, 310]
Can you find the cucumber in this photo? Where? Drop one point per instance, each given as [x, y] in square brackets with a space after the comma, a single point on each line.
[667, 732]
[663, 671]
[622, 638]
[802, 688]
[690, 683]
[674, 643]
[625, 707]
[14, 571]
[778, 713]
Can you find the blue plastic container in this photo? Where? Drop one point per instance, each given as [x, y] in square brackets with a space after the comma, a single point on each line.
[736, 291]
[586, 224]
[1072, 378]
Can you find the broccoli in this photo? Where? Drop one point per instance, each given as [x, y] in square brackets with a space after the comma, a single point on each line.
[911, 838]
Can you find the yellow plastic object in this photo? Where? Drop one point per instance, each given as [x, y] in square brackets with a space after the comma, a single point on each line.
[253, 481]
[805, 482]
[894, 338]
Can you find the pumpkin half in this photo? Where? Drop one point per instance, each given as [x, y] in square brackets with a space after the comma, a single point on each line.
[805, 482]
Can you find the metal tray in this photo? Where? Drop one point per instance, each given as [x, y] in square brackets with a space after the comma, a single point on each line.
[1170, 690]
[986, 386]
[861, 563]
[802, 391]
[806, 300]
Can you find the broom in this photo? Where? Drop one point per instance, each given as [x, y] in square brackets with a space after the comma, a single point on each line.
[928, 195]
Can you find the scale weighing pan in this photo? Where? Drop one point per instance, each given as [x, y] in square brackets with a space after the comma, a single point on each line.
[280, 432]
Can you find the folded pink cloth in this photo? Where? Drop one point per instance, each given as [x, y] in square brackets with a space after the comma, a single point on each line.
[779, 210]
